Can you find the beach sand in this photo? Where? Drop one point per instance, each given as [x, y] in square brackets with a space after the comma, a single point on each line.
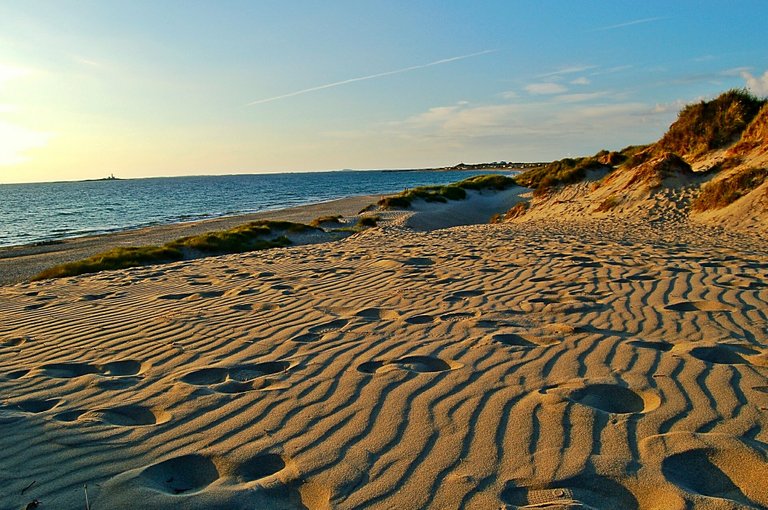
[611, 363]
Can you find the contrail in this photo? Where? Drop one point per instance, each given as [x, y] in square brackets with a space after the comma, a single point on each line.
[369, 77]
[629, 23]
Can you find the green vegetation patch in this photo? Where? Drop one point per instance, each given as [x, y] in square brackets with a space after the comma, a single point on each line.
[564, 171]
[709, 125]
[456, 191]
[117, 258]
[247, 237]
[718, 194]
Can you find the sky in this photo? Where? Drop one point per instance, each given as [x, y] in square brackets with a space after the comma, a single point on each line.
[141, 88]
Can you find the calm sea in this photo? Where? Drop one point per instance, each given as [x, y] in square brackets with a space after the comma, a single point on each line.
[33, 213]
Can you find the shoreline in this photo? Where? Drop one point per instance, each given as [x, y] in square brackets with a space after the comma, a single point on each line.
[21, 262]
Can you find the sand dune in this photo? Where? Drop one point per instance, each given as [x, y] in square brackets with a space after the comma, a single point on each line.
[600, 365]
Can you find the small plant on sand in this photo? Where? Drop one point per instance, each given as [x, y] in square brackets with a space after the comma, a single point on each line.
[718, 194]
[609, 203]
[325, 220]
[516, 211]
[368, 221]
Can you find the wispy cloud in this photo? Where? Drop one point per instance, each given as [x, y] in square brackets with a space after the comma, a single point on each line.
[629, 23]
[545, 88]
[567, 70]
[370, 77]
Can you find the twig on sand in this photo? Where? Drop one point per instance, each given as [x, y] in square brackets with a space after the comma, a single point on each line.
[87, 504]
[25, 489]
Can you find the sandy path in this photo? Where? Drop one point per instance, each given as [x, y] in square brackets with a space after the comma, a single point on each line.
[490, 366]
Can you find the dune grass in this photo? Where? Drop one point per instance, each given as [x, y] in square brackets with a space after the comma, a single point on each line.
[456, 191]
[564, 171]
[709, 125]
[117, 258]
[718, 194]
[247, 237]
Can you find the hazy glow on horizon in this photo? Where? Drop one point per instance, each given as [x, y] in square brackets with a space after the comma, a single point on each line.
[174, 88]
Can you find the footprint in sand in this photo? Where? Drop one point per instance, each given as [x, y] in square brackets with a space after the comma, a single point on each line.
[181, 480]
[328, 327]
[722, 354]
[238, 378]
[513, 340]
[462, 295]
[417, 364]
[718, 473]
[123, 368]
[614, 399]
[698, 306]
[180, 475]
[123, 416]
[656, 346]
[17, 374]
[13, 342]
[32, 406]
[456, 316]
[315, 333]
[579, 492]
[419, 319]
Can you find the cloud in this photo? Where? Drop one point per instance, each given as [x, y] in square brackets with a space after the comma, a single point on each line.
[629, 23]
[567, 70]
[579, 98]
[580, 81]
[757, 84]
[369, 77]
[545, 88]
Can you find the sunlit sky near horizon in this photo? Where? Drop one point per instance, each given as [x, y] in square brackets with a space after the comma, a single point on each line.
[145, 88]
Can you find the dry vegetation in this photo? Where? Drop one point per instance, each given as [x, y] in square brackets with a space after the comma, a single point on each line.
[723, 192]
[709, 125]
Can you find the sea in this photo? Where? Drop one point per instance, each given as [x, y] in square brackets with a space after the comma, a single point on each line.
[48, 212]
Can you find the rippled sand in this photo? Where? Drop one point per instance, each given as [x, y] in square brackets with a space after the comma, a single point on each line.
[610, 364]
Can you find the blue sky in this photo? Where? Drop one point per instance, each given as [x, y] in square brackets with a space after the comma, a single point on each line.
[146, 88]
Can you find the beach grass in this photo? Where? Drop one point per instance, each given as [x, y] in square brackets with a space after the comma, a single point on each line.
[718, 194]
[455, 191]
[248, 237]
[117, 258]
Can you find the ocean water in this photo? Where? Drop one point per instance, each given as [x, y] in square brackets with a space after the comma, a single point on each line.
[37, 213]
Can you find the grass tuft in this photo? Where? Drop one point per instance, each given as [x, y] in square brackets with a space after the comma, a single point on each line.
[718, 194]
[324, 220]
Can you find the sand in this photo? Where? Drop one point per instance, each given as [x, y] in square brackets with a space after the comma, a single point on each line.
[611, 364]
